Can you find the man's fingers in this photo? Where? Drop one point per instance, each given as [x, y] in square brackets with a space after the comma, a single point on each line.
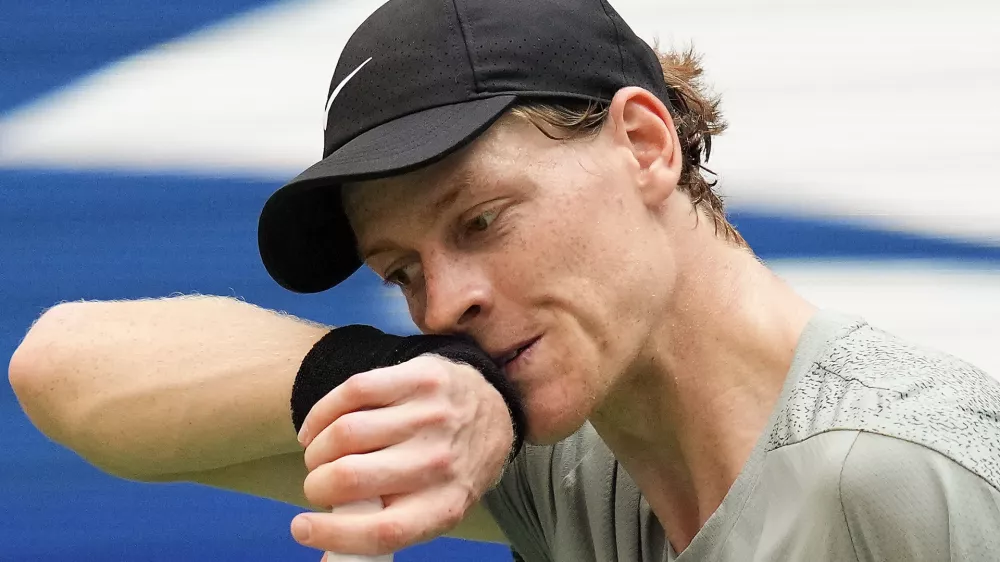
[395, 470]
[375, 389]
[369, 430]
[351, 534]
[371, 389]
[355, 433]
[407, 521]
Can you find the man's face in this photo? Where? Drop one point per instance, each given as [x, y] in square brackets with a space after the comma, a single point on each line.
[527, 245]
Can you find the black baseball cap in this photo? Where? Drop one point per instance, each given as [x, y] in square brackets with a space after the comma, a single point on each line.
[418, 80]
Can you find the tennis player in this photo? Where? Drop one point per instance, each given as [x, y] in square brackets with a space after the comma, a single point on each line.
[529, 174]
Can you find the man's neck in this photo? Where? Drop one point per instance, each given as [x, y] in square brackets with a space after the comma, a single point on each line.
[685, 419]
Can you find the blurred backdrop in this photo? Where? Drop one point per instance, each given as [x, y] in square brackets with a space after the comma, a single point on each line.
[139, 139]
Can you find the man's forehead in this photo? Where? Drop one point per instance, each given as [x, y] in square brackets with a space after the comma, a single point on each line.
[432, 187]
[417, 199]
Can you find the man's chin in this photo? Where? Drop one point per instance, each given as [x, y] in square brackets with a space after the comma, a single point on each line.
[549, 431]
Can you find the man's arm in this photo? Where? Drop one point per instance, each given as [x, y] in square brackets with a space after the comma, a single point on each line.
[152, 388]
[182, 389]
[905, 502]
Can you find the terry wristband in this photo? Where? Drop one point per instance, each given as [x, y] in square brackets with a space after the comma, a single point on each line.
[355, 349]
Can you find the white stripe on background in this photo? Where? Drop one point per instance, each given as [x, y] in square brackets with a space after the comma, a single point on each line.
[881, 110]
[955, 309]
[951, 308]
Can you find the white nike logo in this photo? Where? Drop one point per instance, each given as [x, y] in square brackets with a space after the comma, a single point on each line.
[337, 90]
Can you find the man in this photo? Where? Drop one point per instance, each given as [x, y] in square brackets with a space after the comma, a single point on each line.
[529, 175]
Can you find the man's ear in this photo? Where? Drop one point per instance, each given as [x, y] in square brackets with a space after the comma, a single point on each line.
[644, 127]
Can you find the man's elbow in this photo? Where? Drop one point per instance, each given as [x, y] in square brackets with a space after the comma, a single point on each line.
[34, 372]
[40, 374]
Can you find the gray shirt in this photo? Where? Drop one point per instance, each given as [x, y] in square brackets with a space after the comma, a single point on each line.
[878, 450]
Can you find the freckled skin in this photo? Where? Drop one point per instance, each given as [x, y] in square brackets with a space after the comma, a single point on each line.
[669, 339]
[574, 255]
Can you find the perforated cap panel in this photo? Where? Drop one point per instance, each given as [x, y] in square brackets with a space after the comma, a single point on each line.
[421, 78]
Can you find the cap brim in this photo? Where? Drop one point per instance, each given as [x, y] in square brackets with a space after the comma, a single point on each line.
[304, 238]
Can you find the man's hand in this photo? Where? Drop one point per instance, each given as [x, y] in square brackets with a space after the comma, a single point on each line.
[428, 436]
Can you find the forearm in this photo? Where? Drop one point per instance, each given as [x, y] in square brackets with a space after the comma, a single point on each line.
[276, 477]
[149, 388]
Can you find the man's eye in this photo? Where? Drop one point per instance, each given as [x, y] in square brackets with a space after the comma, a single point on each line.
[397, 277]
[482, 221]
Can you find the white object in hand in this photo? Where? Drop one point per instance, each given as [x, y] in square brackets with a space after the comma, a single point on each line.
[361, 507]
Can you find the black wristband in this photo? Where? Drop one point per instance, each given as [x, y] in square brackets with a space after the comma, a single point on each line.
[355, 349]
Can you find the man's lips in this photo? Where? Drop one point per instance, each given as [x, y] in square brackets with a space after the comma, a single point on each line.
[512, 353]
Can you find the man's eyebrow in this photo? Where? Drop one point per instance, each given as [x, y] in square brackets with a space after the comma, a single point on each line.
[463, 181]
[377, 248]
[446, 199]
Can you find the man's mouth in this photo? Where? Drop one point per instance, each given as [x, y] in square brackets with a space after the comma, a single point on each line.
[510, 356]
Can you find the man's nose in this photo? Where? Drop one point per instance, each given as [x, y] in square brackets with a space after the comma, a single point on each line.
[457, 293]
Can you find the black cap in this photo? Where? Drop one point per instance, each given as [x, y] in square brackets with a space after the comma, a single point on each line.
[418, 80]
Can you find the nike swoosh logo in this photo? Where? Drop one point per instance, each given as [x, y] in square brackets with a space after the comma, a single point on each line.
[329, 102]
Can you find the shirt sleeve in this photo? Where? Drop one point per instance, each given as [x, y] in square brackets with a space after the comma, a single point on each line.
[905, 502]
[512, 503]
[524, 504]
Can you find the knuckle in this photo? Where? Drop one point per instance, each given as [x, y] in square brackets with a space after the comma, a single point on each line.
[355, 388]
[436, 416]
[433, 379]
[337, 440]
[342, 433]
[345, 477]
[435, 371]
[443, 462]
[332, 484]
[390, 535]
